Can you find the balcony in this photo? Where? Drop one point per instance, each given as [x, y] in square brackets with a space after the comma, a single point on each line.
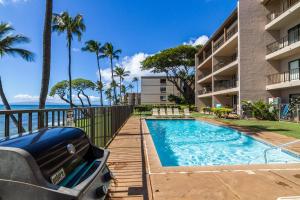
[205, 91]
[284, 15]
[286, 79]
[206, 55]
[284, 47]
[225, 85]
[204, 76]
[226, 37]
[225, 61]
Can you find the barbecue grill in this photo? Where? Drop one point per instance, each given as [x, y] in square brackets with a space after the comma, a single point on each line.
[53, 164]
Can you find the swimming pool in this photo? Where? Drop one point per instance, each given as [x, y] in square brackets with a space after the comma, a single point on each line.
[197, 143]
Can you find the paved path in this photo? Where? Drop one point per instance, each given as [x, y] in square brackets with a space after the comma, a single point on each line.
[127, 161]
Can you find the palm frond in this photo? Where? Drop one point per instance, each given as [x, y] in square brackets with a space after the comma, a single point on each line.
[25, 54]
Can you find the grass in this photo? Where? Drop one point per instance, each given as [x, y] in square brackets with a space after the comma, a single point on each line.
[284, 128]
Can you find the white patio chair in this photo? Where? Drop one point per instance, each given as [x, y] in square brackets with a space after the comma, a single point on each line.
[162, 112]
[187, 112]
[155, 112]
[176, 112]
[169, 112]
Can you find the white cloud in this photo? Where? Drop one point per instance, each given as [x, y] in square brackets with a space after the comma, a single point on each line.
[131, 64]
[199, 41]
[3, 2]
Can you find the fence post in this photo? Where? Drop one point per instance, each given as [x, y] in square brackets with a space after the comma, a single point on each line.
[298, 113]
[92, 125]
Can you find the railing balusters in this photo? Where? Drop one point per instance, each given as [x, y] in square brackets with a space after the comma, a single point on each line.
[30, 121]
[6, 129]
[58, 118]
[47, 119]
[20, 123]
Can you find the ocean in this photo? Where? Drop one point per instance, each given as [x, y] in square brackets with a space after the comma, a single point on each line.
[13, 128]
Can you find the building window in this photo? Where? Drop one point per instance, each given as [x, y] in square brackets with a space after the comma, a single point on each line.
[163, 81]
[163, 89]
[294, 68]
[163, 98]
[294, 34]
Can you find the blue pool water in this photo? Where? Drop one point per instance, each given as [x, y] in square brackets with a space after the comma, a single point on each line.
[196, 143]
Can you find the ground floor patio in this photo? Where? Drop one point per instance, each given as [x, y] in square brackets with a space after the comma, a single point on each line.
[139, 174]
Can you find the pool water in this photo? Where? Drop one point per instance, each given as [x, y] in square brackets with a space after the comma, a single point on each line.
[197, 143]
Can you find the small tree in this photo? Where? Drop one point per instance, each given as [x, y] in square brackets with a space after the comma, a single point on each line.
[60, 89]
[121, 73]
[81, 85]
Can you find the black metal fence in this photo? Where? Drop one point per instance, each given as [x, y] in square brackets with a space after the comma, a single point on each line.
[100, 123]
[285, 5]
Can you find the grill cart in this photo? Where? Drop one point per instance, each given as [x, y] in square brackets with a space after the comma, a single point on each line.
[53, 164]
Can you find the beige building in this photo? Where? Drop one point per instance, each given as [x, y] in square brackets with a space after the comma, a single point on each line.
[156, 89]
[254, 55]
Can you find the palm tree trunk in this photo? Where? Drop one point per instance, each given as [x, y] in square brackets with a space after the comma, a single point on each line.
[7, 106]
[70, 71]
[78, 95]
[87, 97]
[46, 55]
[112, 78]
[100, 79]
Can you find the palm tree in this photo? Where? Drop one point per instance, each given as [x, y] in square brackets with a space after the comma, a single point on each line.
[121, 73]
[71, 26]
[108, 95]
[136, 79]
[7, 47]
[46, 55]
[111, 53]
[130, 86]
[95, 47]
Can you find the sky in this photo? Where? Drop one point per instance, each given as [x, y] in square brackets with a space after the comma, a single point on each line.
[138, 27]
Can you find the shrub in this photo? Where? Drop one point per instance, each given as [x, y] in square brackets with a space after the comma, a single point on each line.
[221, 112]
[260, 110]
[207, 109]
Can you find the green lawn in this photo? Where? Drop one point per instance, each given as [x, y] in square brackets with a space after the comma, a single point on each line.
[284, 128]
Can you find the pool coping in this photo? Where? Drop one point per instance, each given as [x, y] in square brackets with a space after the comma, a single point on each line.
[155, 167]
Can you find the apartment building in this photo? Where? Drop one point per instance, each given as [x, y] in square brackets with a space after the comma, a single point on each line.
[156, 89]
[254, 55]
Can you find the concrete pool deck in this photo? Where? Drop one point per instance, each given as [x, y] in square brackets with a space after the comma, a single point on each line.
[140, 175]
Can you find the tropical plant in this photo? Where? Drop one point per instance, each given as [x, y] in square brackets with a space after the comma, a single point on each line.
[136, 80]
[130, 87]
[46, 55]
[95, 47]
[121, 73]
[7, 47]
[81, 85]
[109, 95]
[178, 66]
[260, 110]
[64, 23]
[60, 89]
[221, 112]
[176, 99]
[110, 53]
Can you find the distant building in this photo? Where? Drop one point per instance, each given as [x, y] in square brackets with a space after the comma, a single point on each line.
[156, 89]
[133, 98]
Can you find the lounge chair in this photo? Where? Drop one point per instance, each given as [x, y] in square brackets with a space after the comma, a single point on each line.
[170, 112]
[187, 112]
[162, 112]
[176, 112]
[155, 112]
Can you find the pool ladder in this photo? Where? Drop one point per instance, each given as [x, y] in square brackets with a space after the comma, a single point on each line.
[276, 147]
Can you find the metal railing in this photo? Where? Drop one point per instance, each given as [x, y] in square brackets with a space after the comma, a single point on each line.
[218, 44]
[225, 61]
[274, 14]
[291, 38]
[231, 32]
[287, 76]
[224, 85]
[206, 55]
[100, 123]
[203, 75]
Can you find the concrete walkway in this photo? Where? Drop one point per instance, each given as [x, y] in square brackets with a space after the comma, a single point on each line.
[128, 162]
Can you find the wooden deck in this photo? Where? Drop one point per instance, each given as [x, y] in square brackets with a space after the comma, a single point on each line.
[137, 179]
